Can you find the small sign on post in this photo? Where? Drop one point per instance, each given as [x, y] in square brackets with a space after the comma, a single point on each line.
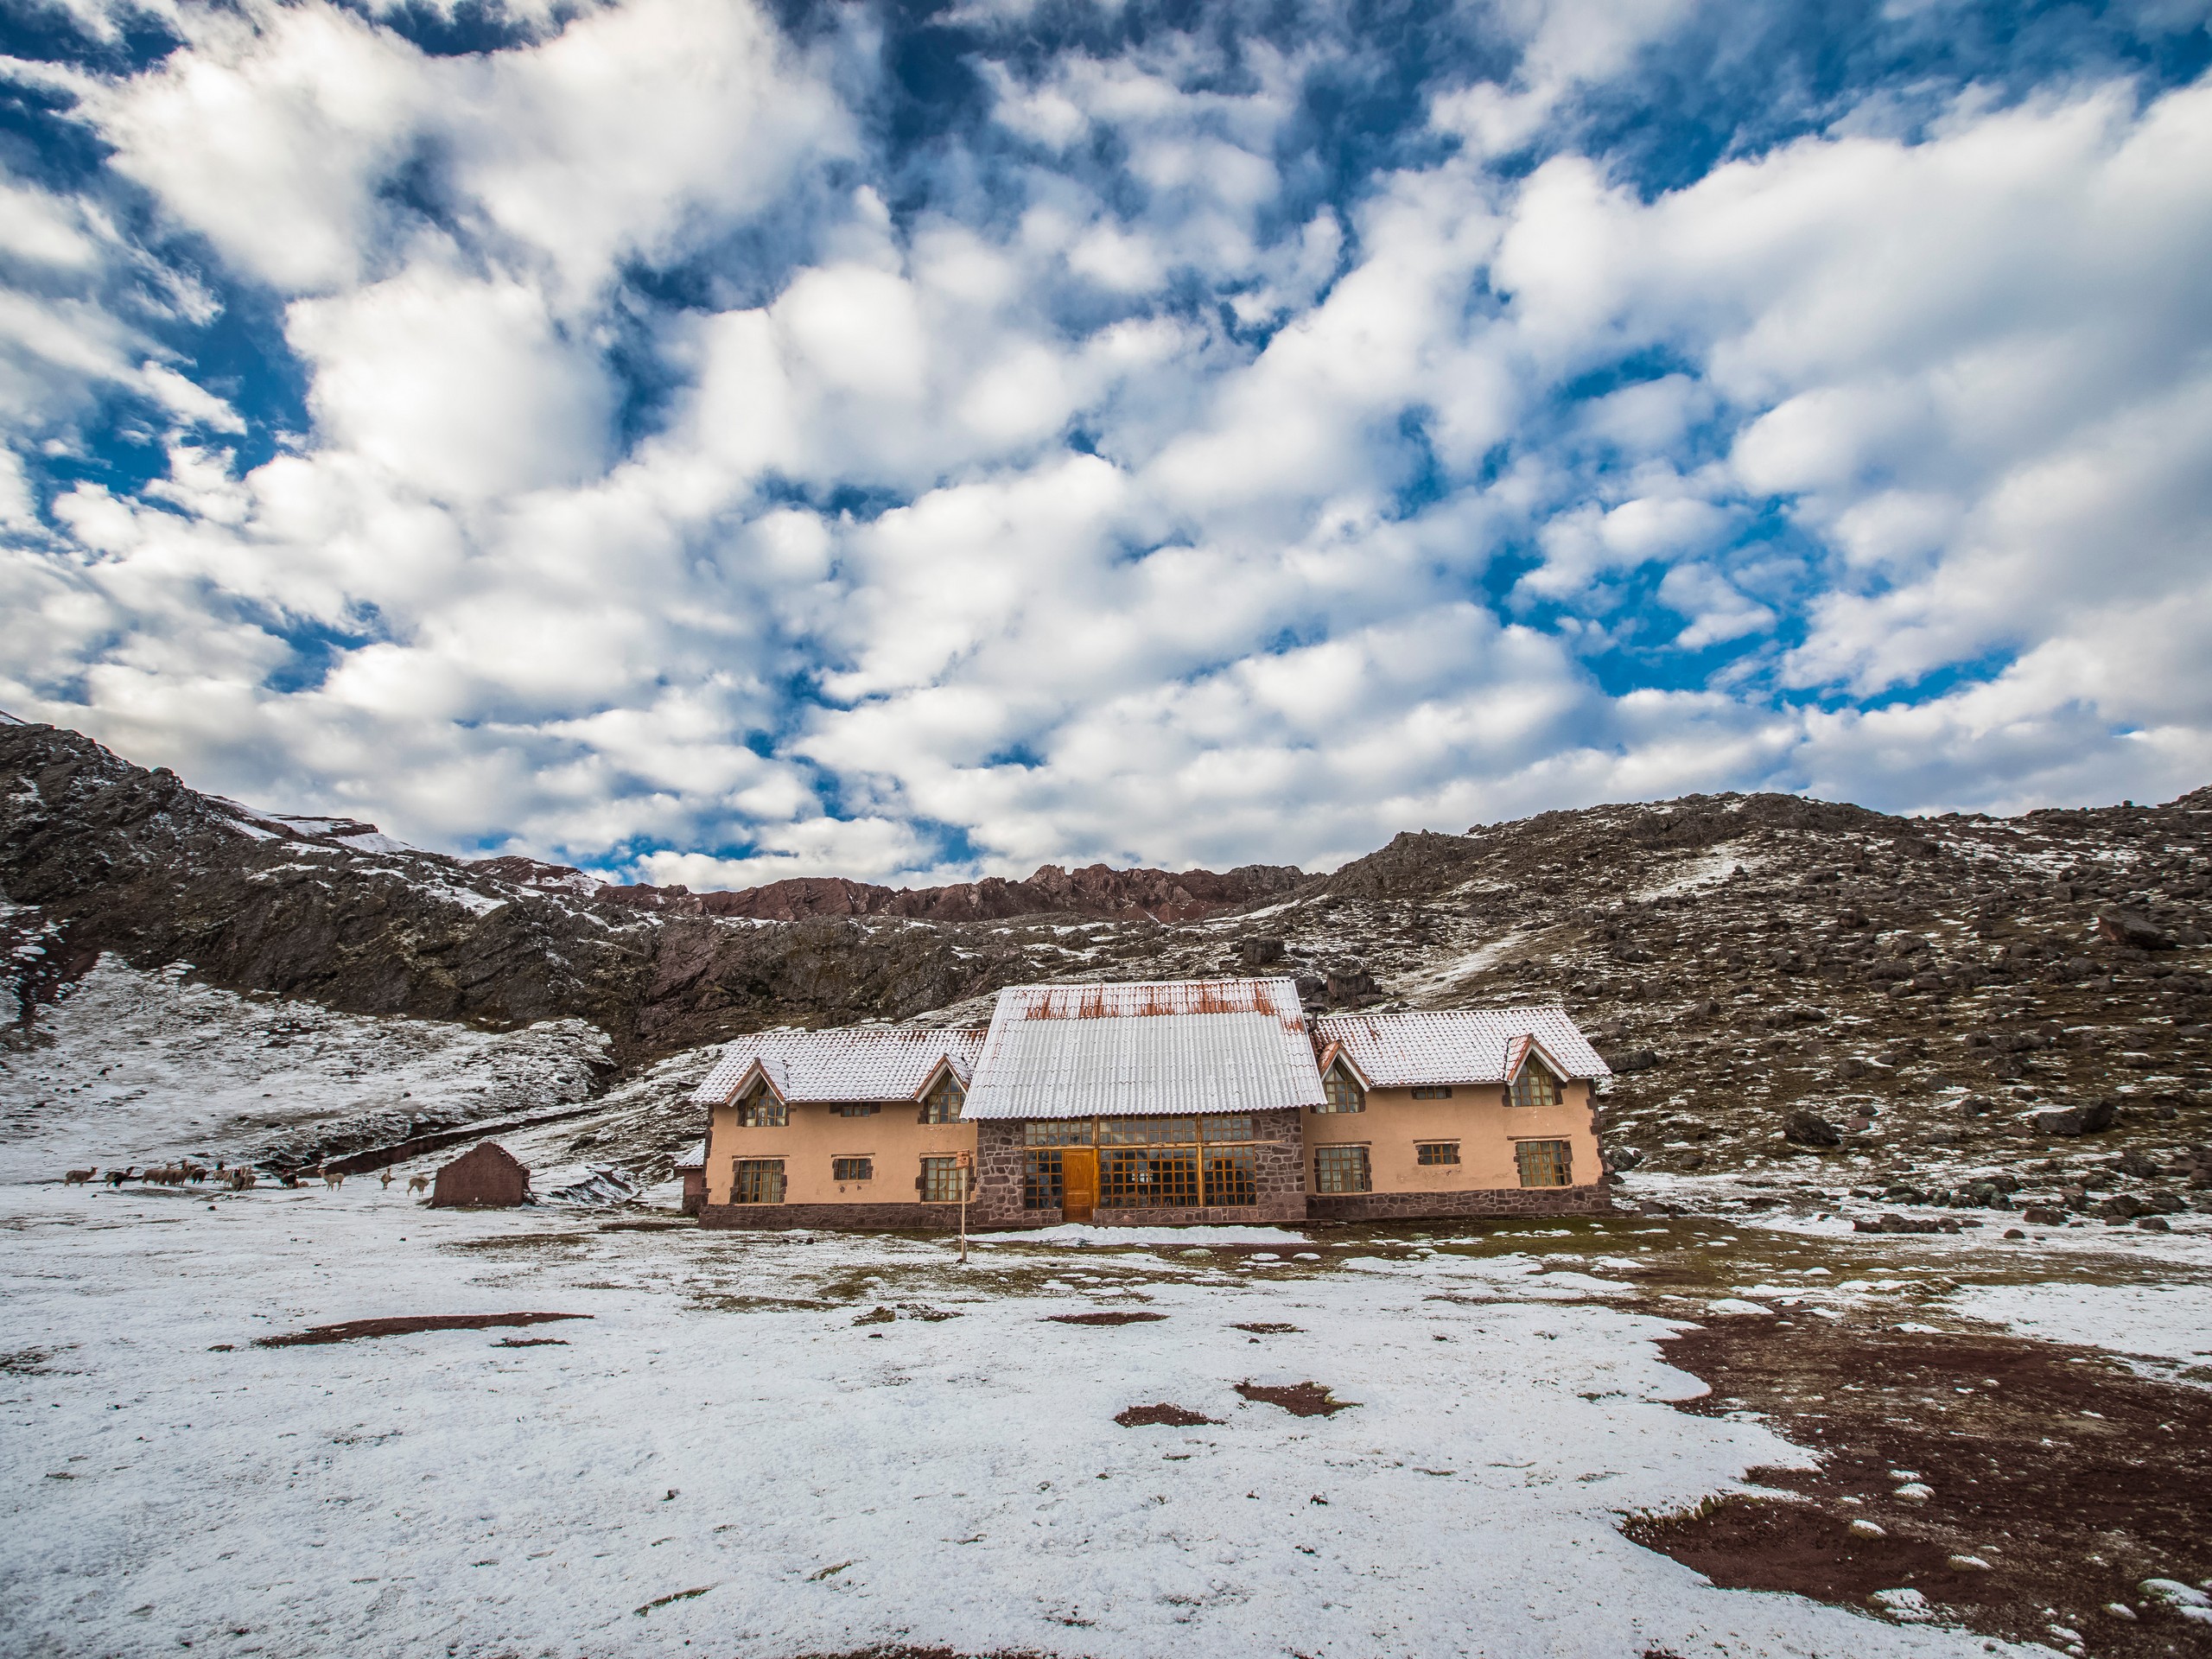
[966, 1164]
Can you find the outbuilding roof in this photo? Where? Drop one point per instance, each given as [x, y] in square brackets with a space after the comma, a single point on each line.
[1162, 1048]
[854, 1063]
[1395, 1051]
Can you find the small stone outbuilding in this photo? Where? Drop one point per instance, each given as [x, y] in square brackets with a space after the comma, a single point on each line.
[692, 1172]
[487, 1175]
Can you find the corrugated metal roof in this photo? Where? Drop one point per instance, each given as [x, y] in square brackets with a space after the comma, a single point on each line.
[1395, 1051]
[1169, 1048]
[854, 1063]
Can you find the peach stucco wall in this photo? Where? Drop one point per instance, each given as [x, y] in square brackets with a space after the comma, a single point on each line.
[1476, 1116]
[816, 1134]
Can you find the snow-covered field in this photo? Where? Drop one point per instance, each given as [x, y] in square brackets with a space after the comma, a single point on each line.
[785, 1445]
[722, 1424]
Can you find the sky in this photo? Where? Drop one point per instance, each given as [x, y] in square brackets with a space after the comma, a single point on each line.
[708, 443]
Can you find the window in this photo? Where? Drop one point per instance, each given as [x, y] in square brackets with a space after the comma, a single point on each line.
[1162, 1177]
[1229, 1178]
[757, 1180]
[761, 1110]
[1535, 1086]
[1041, 1185]
[1439, 1091]
[1058, 1132]
[1436, 1152]
[942, 1104]
[1343, 1094]
[863, 1109]
[852, 1169]
[1148, 1131]
[1341, 1169]
[1146, 1162]
[943, 1180]
[1545, 1163]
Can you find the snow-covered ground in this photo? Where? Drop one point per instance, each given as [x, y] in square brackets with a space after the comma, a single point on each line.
[778, 1445]
[722, 1426]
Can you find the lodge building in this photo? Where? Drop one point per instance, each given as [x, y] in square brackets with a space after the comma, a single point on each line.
[1160, 1103]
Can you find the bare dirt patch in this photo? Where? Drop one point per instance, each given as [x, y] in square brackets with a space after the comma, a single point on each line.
[2068, 1477]
[1162, 1416]
[1267, 1328]
[1116, 1317]
[357, 1330]
[1298, 1399]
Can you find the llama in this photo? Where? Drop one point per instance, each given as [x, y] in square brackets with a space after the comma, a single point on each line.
[418, 1183]
[78, 1177]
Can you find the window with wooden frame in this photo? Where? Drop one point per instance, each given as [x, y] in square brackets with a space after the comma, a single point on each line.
[1535, 1086]
[852, 1169]
[860, 1108]
[1146, 1162]
[761, 1110]
[941, 1181]
[1341, 1169]
[1436, 1152]
[1341, 1093]
[1060, 1131]
[757, 1180]
[943, 1103]
[1041, 1179]
[1433, 1091]
[1545, 1163]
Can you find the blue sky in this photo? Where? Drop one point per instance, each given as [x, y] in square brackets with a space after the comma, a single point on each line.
[711, 443]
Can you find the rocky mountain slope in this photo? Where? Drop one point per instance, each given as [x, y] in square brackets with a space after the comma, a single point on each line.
[1805, 999]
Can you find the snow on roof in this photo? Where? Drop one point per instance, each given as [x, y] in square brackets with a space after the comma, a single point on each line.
[856, 1062]
[1161, 1048]
[1393, 1050]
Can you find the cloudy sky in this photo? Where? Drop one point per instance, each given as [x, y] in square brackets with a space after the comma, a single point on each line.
[707, 443]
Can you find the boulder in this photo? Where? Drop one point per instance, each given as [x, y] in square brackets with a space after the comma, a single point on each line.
[1624, 1158]
[2090, 1119]
[2042, 1215]
[2134, 929]
[1348, 980]
[1257, 953]
[1626, 1060]
[1805, 1128]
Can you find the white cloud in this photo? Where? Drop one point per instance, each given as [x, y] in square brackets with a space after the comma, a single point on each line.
[693, 469]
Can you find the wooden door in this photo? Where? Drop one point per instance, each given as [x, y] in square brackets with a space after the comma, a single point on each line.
[1079, 1183]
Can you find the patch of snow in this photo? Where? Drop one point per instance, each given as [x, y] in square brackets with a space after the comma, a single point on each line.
[2170, 1321]
[1735, 1304]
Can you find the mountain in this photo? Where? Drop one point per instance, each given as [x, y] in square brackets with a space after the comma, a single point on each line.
[1792, 991]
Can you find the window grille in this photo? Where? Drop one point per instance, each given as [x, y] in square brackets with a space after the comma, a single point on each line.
[1343, 1094]
[1436, 1152]
[757, 1180]
[1148, 1131]
[852, 1169]
[1545, 1163]
[1219, 1129]
[1058, 1132]
[862, 1109]
[1165, 1177]
[1434, 1092]
[1041, 1184]
[762, 1112]
[943, 1103]
[1535, 1086]
[943, 1180]
[1341, 1169]
[1229, 1178]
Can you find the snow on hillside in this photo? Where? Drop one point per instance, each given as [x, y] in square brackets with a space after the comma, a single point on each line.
[735, 1453]
[142, 1068]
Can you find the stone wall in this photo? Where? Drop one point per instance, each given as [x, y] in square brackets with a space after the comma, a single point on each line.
[1590, 1200]
[911, 1217]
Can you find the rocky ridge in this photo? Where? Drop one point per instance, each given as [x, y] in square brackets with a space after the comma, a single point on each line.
[1807, 1003]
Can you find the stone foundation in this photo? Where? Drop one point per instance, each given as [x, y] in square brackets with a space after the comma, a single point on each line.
[1591, 1200]
[913, 1217]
